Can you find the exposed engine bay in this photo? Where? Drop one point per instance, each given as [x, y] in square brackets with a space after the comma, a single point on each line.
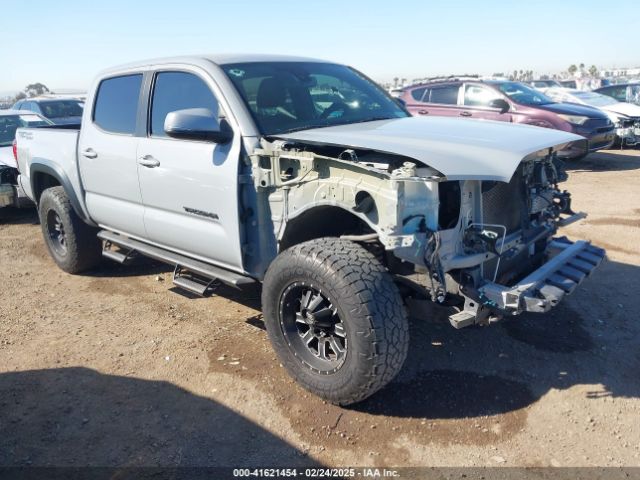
[485, 247]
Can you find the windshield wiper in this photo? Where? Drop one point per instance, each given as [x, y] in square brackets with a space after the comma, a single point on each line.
[371, 119]
[298, 129]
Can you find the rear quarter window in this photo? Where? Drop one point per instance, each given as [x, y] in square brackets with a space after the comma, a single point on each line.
[418, 94]
[116, 106]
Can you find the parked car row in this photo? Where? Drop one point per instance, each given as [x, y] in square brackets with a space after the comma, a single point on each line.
[621, 102]
[509, 101]
[11, 194]
[29, 112]
[625, 116]
[629, 92]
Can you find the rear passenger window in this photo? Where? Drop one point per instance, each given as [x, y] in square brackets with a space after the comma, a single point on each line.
[178, 91]
[116, 105]
[445, 95]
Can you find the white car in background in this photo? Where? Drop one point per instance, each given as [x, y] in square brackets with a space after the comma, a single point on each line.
[625, 116]
[544, 85]
[11, 195]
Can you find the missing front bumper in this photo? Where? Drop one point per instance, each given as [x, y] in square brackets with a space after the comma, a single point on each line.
[568, 265]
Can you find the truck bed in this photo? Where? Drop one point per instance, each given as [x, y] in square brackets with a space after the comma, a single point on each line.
[54, 146]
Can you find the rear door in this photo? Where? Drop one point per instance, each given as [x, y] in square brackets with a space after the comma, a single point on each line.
[439, 100]
[107, 155]
[414, 101]
[189, 187]
[442, 100]
[476, 100]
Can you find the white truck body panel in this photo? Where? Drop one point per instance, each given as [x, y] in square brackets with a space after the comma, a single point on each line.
[476, 150]
[52, 147]
[6, 157]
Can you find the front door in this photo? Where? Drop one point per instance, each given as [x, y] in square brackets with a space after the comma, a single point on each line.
[477, 103]
[189, 188]
[107, 155]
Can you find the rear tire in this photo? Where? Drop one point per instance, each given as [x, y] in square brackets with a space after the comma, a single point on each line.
[335, 319]
[73, 244]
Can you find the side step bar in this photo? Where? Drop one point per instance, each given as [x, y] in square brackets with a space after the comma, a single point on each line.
[190, 274]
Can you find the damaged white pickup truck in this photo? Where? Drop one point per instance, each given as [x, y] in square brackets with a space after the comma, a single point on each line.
[306, 176]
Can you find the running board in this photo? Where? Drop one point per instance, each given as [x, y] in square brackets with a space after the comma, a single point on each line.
[182, 263]
[116, 256]
[193, 283]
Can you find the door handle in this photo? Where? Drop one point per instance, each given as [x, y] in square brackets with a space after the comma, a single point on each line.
[148, 161]
[423, 112]
[465, 114]
[89, 153]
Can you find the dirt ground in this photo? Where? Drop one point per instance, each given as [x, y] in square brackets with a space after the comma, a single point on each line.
[115, 368]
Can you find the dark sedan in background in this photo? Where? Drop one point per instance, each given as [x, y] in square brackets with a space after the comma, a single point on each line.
[507, 101]
[629, 92]
[11, 195]
[61, 111]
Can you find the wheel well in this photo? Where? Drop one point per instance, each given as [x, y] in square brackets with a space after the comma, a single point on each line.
[325, 221]
[41, 181]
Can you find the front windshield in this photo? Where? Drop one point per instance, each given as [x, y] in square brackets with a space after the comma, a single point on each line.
[523, 94]
[288, 96]
[594, 99]
[61, 108]
[10, 123]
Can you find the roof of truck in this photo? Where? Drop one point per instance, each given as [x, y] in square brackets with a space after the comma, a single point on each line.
[218, 59]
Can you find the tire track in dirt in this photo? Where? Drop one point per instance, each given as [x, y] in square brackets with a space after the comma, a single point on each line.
[438, 406]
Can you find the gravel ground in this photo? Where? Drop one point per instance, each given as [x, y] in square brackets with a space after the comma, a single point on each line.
[116, 368]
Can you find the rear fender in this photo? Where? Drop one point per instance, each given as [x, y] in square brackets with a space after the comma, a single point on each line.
[41, 172]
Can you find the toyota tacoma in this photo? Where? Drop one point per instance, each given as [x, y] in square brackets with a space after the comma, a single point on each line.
[307, 177]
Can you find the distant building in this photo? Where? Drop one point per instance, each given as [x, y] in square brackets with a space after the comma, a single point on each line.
[621, 72]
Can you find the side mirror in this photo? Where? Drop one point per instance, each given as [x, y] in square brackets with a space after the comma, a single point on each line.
[500, 104]
[197, 124]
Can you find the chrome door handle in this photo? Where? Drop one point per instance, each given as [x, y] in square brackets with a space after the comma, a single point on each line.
[89, 153]
[465, 114]
[148, 161]
[423, 112]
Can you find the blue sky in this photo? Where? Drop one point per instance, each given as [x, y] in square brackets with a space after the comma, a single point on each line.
[64, 43]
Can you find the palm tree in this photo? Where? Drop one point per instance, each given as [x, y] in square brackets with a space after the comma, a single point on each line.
[572, 69]
[593, 71]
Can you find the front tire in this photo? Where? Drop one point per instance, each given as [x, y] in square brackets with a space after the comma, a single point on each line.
[73, 244]
[335, 319]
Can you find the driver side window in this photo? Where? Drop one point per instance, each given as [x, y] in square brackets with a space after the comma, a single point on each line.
[178, 91]
[619, 93]
[478, 96]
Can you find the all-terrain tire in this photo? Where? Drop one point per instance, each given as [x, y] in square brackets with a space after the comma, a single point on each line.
[81, 249]
[367, 303]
